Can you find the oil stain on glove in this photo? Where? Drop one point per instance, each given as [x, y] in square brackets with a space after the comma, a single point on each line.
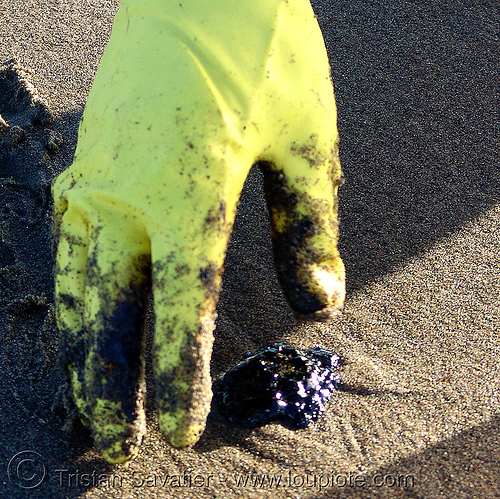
[189, 95]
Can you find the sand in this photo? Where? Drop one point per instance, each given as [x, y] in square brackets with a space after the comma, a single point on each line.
[419, 410]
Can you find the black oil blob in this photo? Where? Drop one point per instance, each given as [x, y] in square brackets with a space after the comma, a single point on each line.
[278, 383]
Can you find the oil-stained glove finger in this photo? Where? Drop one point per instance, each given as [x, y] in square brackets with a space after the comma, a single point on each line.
[102, 289]
[299, 157]
[185, 294]
[187, 266]
[116, 295]
[304, 223]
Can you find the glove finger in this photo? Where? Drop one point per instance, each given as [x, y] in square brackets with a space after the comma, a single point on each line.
[116, 294]
[296, 117]
[302, 201]
[186, 278]
[71, 261]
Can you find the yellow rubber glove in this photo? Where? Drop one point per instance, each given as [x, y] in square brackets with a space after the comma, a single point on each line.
[189, 95]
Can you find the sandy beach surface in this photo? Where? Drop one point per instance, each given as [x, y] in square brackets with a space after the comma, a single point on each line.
[418, 414]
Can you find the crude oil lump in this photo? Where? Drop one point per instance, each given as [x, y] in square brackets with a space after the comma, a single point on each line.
[278, 383]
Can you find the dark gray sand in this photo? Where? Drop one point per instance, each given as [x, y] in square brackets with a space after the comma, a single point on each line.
[417, 94]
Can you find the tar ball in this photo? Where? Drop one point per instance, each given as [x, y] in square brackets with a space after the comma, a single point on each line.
[278, 383]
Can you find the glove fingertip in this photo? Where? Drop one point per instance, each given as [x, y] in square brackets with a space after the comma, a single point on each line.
[326, 314]
[119, 443]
